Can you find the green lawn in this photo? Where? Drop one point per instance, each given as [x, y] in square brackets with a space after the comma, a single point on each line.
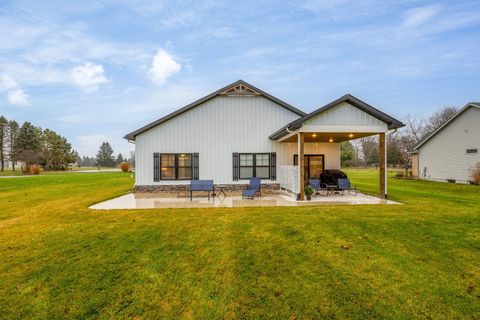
[59, 259]
[18, 172]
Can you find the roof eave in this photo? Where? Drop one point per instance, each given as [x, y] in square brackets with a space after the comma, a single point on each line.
[433, 133]
[391, 122]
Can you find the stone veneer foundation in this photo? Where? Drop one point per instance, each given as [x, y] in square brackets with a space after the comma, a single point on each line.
[270, 188]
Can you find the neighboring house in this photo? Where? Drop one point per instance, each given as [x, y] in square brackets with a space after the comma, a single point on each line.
[241, 131]
[450, 152]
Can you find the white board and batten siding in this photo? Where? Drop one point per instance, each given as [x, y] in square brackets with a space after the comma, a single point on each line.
[215, 129]
[344, 118]
[445, 154]
[331, 152]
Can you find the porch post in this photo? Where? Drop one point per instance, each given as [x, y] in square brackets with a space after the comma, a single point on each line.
[382, 149]
[301, 164]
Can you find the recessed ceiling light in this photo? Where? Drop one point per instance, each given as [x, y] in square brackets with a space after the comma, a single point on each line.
[350, 135]
[331, 140]
[314, 135]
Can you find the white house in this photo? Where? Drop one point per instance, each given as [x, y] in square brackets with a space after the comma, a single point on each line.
[240, 131]
[450, 152]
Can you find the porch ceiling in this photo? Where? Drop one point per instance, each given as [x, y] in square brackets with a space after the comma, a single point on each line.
[329, 137]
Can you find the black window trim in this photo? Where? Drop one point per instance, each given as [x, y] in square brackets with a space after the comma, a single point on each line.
[255, 164]
[176, 166]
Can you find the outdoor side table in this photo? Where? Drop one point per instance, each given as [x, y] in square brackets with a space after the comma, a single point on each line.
[221, 191]
[184, 190]
[331, 188]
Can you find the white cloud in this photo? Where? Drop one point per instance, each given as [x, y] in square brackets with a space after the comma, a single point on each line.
[163, 67]
[419, 16]
[88, 77]
[15, 95]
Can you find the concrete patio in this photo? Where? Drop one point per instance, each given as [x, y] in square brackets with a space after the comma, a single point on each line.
[154, 201]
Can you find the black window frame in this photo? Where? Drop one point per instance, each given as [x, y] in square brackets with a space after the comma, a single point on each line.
[254, 166]
[176, 166]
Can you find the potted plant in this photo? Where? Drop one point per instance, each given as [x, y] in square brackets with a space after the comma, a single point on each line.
[308, 192]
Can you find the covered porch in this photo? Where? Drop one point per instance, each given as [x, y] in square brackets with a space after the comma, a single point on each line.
[313, 141]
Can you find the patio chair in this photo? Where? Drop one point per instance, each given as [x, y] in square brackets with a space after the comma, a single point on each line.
[253, 188]
[344, 185]
[201, 185]
[317, 185]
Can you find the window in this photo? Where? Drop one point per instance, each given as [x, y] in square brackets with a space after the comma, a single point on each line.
[167, 170]
[176, 166]
[470, 151]
[254, 165]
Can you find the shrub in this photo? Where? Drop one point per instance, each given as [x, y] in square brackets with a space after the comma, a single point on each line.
[35, 169]
[308, 190]
[125, 166]
[476, 173]
[399, 174]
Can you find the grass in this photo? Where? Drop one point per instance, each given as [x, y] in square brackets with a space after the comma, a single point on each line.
[18, 172]
[59, 259]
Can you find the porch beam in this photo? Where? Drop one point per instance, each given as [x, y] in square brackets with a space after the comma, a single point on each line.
[301, 164]
[382, 150]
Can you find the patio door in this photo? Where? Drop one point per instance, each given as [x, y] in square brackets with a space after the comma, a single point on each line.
[314, 165]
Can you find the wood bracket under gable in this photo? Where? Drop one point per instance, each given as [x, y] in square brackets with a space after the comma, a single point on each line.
[240, 89]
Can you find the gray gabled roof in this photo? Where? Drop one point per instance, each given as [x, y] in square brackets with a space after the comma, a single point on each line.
[459, 112]
[294, 125]
[131, 136]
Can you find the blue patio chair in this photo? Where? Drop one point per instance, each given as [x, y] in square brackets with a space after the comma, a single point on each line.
[344, 185]
[201, 185]
[253, 188]
[317, 185]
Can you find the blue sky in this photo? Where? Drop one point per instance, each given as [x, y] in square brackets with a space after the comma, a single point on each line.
[96, 70]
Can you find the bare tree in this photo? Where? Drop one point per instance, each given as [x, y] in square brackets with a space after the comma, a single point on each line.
[369, 148]
[439, 117]
[415, 127]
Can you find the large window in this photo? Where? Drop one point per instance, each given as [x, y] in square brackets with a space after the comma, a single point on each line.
[254, 165]
[176, 166]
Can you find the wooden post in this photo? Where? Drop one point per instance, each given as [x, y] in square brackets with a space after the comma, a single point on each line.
[382, 148]
[301, 164]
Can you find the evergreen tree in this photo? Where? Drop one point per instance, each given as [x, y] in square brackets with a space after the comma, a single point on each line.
[13, 130]
[3, 141]
[119, 159]
[347, 153]
[28, 144]
[56, 152]
[28, 137]
[104, 156]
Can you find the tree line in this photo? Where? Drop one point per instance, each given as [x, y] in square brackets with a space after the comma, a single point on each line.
[105, 158]
[29, 145]
[364, 151]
